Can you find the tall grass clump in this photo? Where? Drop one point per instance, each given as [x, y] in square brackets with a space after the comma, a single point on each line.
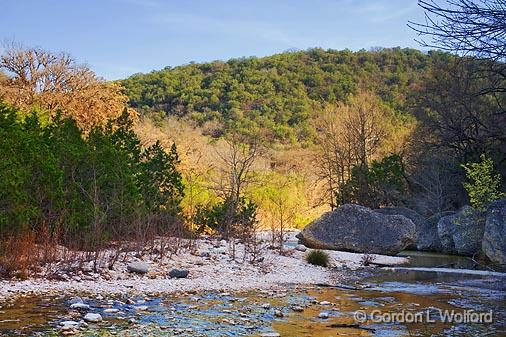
[318, 258]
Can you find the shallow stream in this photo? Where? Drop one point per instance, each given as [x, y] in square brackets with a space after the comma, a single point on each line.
[395, 303]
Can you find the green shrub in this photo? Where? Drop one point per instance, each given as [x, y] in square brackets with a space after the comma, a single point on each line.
[216, 218]
[318, 258]
[85, 188]
[482, 186]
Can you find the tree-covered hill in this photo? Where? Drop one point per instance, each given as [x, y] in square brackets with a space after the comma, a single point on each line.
[277, 95]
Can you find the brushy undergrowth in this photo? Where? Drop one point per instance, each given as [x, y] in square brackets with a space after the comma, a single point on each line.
[318, 258]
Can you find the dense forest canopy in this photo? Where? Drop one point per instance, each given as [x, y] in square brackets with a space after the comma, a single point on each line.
[438, 107]
[277, 95]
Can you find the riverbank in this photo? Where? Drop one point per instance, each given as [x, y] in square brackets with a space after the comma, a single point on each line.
[210, 267]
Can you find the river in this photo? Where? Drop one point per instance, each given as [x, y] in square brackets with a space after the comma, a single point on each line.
[379, 302]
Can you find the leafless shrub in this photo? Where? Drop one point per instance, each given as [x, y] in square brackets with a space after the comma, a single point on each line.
[367, 259]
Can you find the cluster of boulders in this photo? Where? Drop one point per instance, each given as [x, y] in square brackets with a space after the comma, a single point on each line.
[389, 230]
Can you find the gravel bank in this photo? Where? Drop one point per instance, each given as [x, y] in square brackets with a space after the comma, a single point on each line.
[210, 267]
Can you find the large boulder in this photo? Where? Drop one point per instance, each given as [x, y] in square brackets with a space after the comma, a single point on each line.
[359, 229]
[462, 232]
[494, 238]
[428, 237]
[417, 219]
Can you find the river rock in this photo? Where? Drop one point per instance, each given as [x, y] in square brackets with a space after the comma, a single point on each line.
[301, 248]
[76, 299]
[68, 325]
[297, 308]
[179, 273]
[494, 238]
[92, 318]
[79, 306]
[359, 229]
[323, 315]
[462, 232]
[138, 267]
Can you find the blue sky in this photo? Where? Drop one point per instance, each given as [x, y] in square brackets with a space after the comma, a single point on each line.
[120, 37]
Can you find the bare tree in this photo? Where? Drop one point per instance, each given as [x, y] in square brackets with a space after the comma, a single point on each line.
[469, 27]
[474, 27]
[349, 135]
[36, 78]
[237, 162]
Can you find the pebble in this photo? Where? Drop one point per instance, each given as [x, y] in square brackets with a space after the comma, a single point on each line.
[278, 313]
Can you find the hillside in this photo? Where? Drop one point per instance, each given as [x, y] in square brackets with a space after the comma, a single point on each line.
[276, 95]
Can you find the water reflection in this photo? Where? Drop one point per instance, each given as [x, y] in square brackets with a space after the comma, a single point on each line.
[257, 313]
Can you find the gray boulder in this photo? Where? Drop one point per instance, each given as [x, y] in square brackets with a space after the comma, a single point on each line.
[494, 238]
[428, 237]
[138, 267]
[462, 232]
[179, 273]
[417, 219]
[359, 229]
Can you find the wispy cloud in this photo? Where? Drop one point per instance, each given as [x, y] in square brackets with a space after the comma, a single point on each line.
[228, 27]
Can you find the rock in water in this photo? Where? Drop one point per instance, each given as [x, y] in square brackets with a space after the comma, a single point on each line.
[79, 306]
[323, 315]
[359, 229]
[92, 318]
[494, 239]
[419, 221]
[76, 299]
[179, 273]
[138, 267]
[461, 233]
[66, 325]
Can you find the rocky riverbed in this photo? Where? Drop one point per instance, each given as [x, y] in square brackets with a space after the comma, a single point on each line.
[206, 291]
[289, 311]
[209, 265]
